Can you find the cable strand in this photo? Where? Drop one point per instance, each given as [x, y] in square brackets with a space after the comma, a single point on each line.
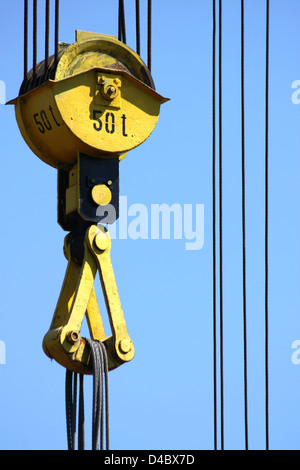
[81, 431]
[56, 32]
[149, 42]
[137, 20]
[34, 53]
[25, 38]
[214, 219]
[221, 227]
[122, 23]
[266, 226]
[47, 12]
[244, 223]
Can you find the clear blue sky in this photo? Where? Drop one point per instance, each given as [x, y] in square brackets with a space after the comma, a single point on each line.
[163, 399]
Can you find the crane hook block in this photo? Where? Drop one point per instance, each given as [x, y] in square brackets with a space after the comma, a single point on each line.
[63, 342]
[98, 99]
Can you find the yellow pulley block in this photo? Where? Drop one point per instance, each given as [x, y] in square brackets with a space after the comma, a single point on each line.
[101, 102]
[81, 114]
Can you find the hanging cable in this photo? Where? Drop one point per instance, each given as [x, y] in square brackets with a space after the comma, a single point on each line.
[244, 222]
[266, 225]
[137, 22]
[214, 220]
[100, 413]
[149, 43]
[56, 33]
[81, 434]
[71, 410]
[122, 23]
[221, 227]
[214, 86]
[47, 9]
[34, 55]
[100, 368]
[119, 23]
[71, 404]
[25, 38]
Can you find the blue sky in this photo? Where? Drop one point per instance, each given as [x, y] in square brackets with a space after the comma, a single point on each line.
[163, 399]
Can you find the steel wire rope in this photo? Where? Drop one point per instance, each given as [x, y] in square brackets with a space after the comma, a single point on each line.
[100, 412]
[244, 221]
[34, 52]
[47, 19]
[122, 22]
[71, 403]
[81, 430]
[267, 225]
[149, 34]
[97, 396]
[221, 231]
[100, 368]
[137, 27]
[25, 38]
[122, 28]
[214, 219]
[56, 31]
[220, 227]
[106, 395]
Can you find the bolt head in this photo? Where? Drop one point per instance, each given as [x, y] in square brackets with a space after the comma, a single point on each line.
[72, 336]
[101, 241]
[111, 90]
[125, 345]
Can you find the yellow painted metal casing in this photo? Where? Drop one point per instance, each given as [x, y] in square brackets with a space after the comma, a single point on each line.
[63, 341]
[101, 103]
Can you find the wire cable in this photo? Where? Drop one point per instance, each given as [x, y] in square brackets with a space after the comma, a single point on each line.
[149, 43]
[244, 220]
[122, 22]
[137, 22]
[221, 228]
[119, 23]
[266, 224]
[56, 32]
[71, 398]
[34, 54]
[47, 9]
[100, 368]
[25, 38]
[214, 220]
[81, 433]
[100, 413]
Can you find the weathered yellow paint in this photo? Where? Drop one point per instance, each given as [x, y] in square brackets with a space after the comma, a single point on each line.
[63, 341]
[100, 111]
[101, 103]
